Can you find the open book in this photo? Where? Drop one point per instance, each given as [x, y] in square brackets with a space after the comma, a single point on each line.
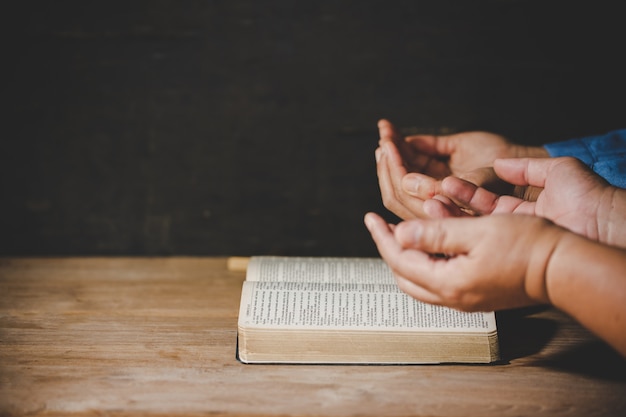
[350, 311]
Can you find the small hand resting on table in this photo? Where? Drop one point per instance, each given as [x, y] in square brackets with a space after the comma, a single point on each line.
[572, 196]
[506, 261]
[410, 168]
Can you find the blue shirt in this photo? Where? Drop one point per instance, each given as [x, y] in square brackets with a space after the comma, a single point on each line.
[604, 154]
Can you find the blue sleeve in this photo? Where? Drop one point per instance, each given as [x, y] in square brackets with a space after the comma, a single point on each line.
[604, 154]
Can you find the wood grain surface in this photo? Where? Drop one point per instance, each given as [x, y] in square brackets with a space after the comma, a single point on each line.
[157, 336]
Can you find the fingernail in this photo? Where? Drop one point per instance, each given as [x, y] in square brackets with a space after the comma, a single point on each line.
[411, 185]
[378, 152]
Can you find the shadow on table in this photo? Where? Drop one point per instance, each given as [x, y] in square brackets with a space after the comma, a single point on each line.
[592, 358]
[527, 332]
[522, 332]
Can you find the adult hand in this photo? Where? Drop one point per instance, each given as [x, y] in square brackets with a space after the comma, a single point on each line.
[492, 262]
[573, 196]
[507, 261]
[410, 168]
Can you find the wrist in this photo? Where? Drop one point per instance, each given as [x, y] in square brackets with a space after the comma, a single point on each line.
[563, 269]
[611, 217]
[547, 249]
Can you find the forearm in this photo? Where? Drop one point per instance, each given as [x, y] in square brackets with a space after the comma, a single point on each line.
[587, 280]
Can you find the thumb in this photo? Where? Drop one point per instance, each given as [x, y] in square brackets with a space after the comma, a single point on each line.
[450, 236]
[442, 146]
[524, 171]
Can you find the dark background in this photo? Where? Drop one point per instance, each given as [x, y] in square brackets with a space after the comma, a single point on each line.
[248, 127]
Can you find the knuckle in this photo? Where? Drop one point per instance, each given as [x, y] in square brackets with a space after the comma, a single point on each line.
[436, 236]
[460, 295]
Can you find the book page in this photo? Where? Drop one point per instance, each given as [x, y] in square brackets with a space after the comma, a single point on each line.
[319, 269]
[288, 305]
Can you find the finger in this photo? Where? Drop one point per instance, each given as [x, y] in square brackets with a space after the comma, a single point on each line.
[486, 177]
[416, 291]
[469, 195]
[388, 246]
[527, 192]
[438, 146]
[415, 156]
[392, 200]
[403, 263]
[440, 207]
[480, 176]
[425, 157]
[383, 235]
[395, 158]
[386, 130]
[524, 171]
[384, 134]
[420, 185]
[411, 207]
[384, 179]
[481, 201]
[388, 133]
[509, 204]
[531, 193]
[418, 240]
[450, 236]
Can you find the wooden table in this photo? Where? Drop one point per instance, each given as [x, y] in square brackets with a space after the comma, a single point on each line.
[156, 336]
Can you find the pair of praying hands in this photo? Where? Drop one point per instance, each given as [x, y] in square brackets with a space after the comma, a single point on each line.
[517, 227]
[480, 173]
